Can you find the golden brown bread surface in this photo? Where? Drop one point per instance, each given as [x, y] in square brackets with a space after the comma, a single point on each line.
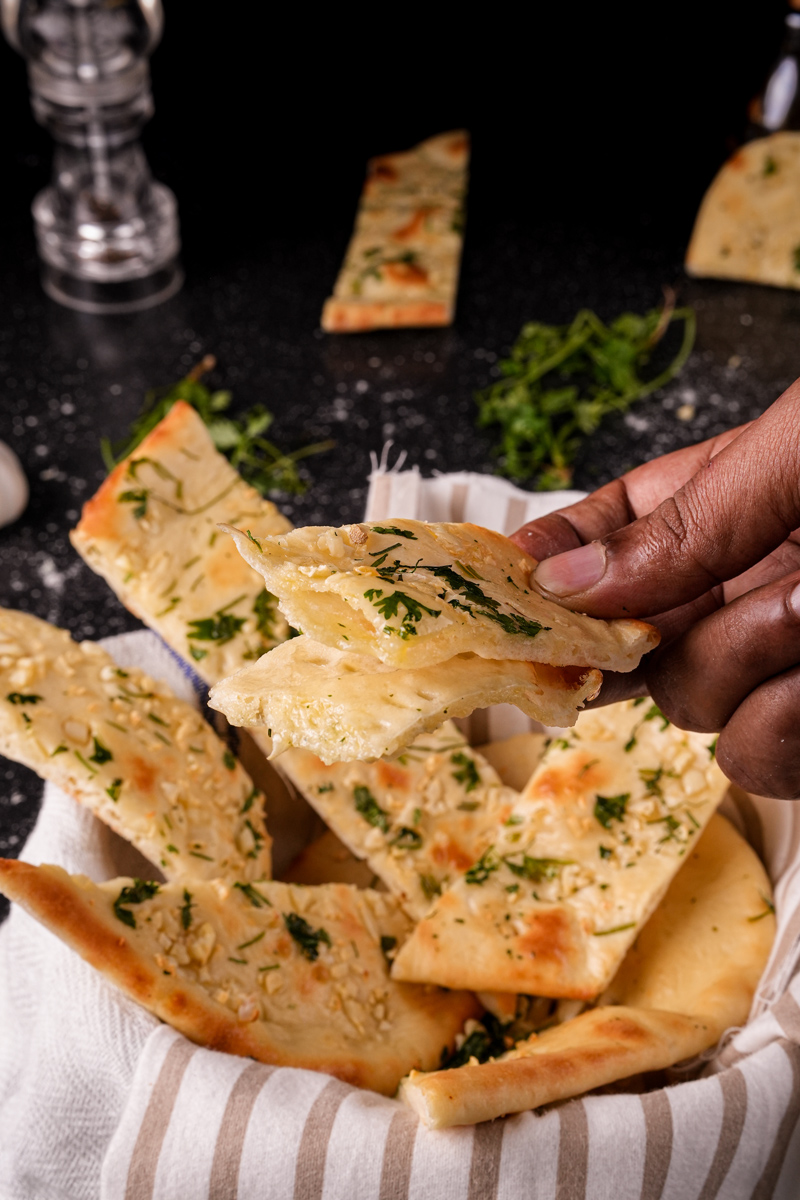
[690, 975]
[151, 532]
[283, 974]
[579, 865]
[748, 226]
[124, 746]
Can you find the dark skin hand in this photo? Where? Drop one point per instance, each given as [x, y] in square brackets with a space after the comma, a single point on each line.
[705, 544]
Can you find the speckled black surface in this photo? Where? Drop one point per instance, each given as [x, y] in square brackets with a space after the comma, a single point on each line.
[67, 379]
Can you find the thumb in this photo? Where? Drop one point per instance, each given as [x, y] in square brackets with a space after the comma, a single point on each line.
[735, 510]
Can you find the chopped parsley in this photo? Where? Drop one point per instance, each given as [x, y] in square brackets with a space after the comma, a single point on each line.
[186, 909]
[616, 929]
[255, 898]
[114, 790]
[138, 891]
[102, 754]
[254, 540]
[611, 808]
[712, 749]
[389, 607]
[325, 787]
[229, 761]
[307, 939]
[537, 869]
[394, 531]
[770, 908]
[605, 851]
[467, 772]
[137, 496]
[248, 800]
[369, 809]
[222, 628]
[480, 871]
[430, 886]
[20, 698]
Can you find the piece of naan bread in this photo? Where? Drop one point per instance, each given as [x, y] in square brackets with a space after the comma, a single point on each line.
[309, 695]
[278, 973]
[124, 746]
[748, 226]
[579, 865]
[414, 594]
[401, 266]
[419, 820]
[151, 532]
[690, 975]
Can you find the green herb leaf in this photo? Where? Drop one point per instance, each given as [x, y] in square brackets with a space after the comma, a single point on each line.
[370, 810]
[186, 909]
[430, 886]
[467, 772]
[20, 698]
[241, 438]
[480, 871]
[255, 897]
[561, 381]
[114, 790]
[307, 939]
[407, 839]
[229, 761]
[388, 607]
[537, 869]
[102, 754]
[394, 531]
[222, 628]
[611, 808]
[488, 1041]
[138, 891]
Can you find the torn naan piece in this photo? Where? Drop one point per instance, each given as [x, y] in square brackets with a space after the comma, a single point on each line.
[125, 747]
[311, 696]
[282, 974]
[151, 532]
[414, 594]
[419, 821]
[691, 974]
[551, 908]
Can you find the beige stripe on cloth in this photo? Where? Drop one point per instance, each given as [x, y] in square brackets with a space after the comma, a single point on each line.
[224, 1183]
[146, 1151]
[774, 1165]
[658, 1143]
[398, 1155]
[573, 1152]
[310, 1173]
[484, 1170]
[734, 1111]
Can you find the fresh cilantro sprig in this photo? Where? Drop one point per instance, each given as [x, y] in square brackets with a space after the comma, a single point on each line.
[243, 439]
[562, 380]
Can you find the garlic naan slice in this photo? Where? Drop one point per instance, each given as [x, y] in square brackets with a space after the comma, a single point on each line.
[419, 820]
[151, 532]
[748, 226]
[348, 707]
[690, 975]
[579, 865]
[415, 594]
[124, 746]
[282, 974]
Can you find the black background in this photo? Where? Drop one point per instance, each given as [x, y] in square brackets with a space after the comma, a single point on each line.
[595, 133]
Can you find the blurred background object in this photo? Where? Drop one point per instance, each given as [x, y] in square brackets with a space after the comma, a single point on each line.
[13, 486]
[107, 234]
[777, 106]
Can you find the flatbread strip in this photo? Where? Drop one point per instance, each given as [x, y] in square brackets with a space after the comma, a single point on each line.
[578, 867]
[748, 226]
[288, 975]
[401, 266]
[414, 594]
[691, 974]
[312, 696]
[124, 746]
[151, 532]
[418, 820]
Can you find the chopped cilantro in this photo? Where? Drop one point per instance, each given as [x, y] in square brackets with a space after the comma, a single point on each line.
[388, 607]
[430, 886]
[467, 772]
[480, 871]
[485, 1042]
[222, 627]
[186, 909]
[394, 531]
[606, 852]
[307, 939]
[325, 787]
[407, 839]
[712, 749]
[254, 540]
[611, 808]
[370, 810]
[137, 496]
[229, 761]
[537, 869]
[102, 754]
[616, 929]
[114, 790]
[255, 898]
[248, 800]
[138, 891]
[20, 698]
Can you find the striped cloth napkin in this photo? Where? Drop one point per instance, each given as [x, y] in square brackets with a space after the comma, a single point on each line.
[97, 1098]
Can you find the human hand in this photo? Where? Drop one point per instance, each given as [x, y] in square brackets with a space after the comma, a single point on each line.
[704, 543]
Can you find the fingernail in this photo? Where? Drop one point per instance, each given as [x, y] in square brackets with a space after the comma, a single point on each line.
[794, 599]
[574, 571]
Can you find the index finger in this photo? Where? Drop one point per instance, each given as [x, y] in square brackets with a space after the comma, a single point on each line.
[618, 503]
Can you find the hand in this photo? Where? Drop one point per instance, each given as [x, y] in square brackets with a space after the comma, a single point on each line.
[704, 543]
